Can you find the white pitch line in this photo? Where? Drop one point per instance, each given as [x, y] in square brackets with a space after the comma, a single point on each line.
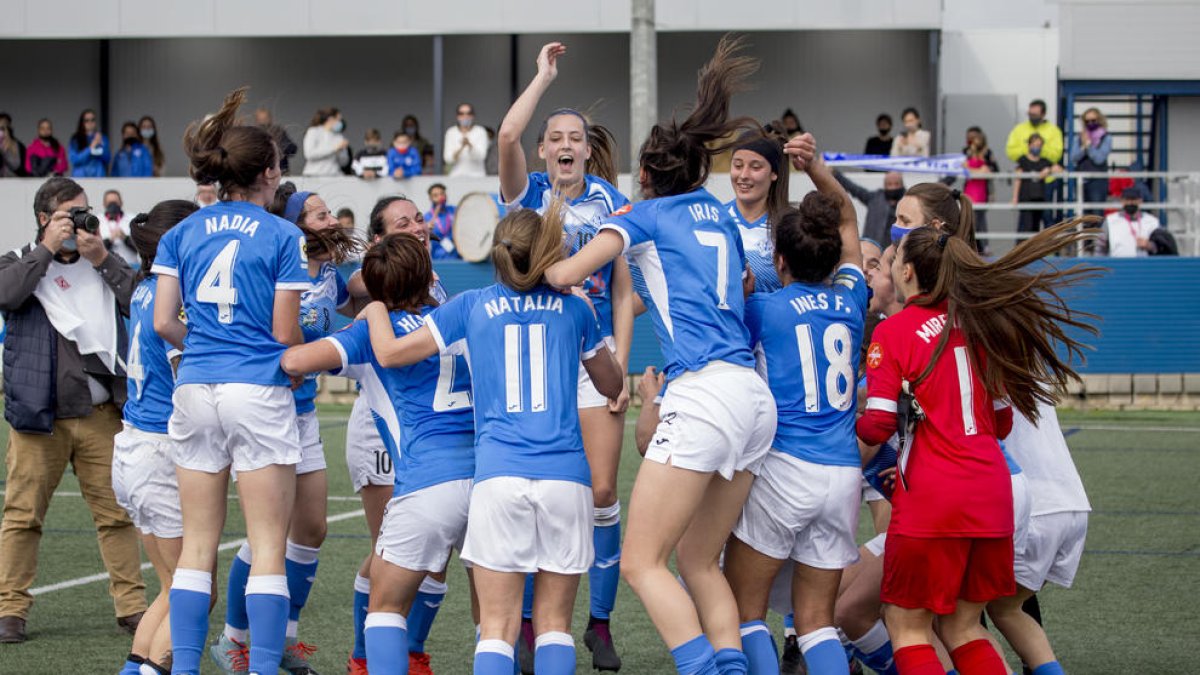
[1112, 427]
[332, 498]
[236, 543]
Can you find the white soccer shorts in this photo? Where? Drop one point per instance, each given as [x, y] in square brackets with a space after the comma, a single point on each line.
[143, 480]
[246, 426]
[526, 525]
[588, 396]
[1022, 506]
[421, 527]
[1053, 549]
[312, 450]
[718, 419]
[367, 459]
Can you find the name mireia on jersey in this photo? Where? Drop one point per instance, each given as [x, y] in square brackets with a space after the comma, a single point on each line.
[811, 302]
[931, 328]
[244, 224]
[523, 303]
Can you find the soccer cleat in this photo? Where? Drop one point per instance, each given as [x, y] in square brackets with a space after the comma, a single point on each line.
[856, 667]
[792, 662]
[599, 640]
[418, 664]
[356, 666]
[525, 647]
[295, 657]
[231, 656]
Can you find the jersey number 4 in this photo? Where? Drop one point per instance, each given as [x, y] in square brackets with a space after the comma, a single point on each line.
[217, 285]
[134, 369]
[839, 377]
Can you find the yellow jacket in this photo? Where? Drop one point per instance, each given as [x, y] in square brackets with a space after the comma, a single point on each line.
[1052, 139]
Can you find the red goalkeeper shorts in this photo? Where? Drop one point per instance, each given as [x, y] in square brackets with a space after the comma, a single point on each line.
[935, 573]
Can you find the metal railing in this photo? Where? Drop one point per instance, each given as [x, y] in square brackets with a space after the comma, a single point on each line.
[1184, 206]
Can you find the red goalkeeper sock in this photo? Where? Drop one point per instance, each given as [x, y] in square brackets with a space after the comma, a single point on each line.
[978, 657]
[918, 660]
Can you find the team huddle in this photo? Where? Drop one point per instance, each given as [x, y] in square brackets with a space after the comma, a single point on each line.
[805, 370]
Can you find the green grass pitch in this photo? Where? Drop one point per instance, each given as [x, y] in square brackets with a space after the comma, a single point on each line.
[1133, 607]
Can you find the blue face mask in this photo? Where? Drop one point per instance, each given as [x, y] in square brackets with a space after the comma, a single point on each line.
[1035, 150]
[898, 232]
[69, 244]
[338, 126]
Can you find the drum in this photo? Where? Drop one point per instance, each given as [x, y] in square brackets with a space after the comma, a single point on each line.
[474, 222]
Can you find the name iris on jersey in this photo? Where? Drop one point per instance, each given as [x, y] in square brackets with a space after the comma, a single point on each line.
[809, 303]
[932, 328]
[523, 303]
[238, 222]
[703, 211]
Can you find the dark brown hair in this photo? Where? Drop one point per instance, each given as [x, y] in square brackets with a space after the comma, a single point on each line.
[526, 244]
[155, 147]
[375, 224]
[677, 156]
[777, 196]
[339, 244]
[950, 207]
[398, 272]
[1012, 319]
[148, 228]
[604, 157]
[228, 153]
[322, 115]
[807, 237]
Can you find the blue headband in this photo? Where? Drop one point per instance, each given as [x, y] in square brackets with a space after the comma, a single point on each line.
[295, 206]
[871, 241]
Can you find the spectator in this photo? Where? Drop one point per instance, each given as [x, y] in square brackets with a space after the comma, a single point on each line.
[791, 123]
[115, 227]
[134, 159]
[148, 130]
[206, 195]
[881, 204]
[1089, 152]
[88, 148]
[324, 144]
[7, 123]
[1033, 189]
[880, 144]
[1052, 138]
[64, 385]
[1127, 233]
[466, 145]
[412, 127]
[345, 218]
[979, 162]
[11, 152]
[440, 217]
[372, 161]
[46, 156]
[403, 160]
[913, 141]
[287, 147]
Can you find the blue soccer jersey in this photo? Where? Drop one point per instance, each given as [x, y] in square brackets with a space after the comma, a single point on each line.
[581, 221]
[690, 254]
[760, 249]
[326, 294]
[525, 350]
[230, 259]
[150, 380]
[425, 407]
[808, 338]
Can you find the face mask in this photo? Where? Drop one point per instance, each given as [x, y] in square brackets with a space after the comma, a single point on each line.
[1035, 150]
[69, 244]
[466, 120]
[44, 137]
[894, 195]
[112, 211]
[1131, 209]
[410, 130]
[129, 140]
[147, 133]
[911, 128]
[1035, 120]
[884, 131]
[338, 126]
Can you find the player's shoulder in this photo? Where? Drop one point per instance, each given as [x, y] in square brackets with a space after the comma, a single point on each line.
[599, 186]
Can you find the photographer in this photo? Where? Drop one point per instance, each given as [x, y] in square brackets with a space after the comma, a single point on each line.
[64, 384]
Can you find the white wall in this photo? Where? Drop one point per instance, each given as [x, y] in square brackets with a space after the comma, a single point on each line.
[1149, 39]
[1183, 148]
[1018, 61]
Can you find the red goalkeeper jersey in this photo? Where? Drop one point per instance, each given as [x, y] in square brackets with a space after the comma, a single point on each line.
[955, 480]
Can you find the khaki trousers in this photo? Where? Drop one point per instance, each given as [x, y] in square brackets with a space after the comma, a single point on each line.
[35, 467]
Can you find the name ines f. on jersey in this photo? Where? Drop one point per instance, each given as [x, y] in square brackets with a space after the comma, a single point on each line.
[760, 249]
[230, 259]
[525, 350]
[325, 295]
[150, 380]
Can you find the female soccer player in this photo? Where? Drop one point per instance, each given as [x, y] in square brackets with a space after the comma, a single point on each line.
[327, 246]
[973, 337]
[717, 418]
[531, 504]
[575, 165]
[143, 473]
[238, 272]
[427, 410]
[938, 206]
[760, 187]
[804, 504]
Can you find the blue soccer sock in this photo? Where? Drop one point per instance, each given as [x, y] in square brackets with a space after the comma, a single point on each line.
[554, 654]
[789, 624]
[494, 657]
[527, 601]
[731, 662]
[823, 652]
[362, 597]
[695, 657]
[300, 565]
[424, 610]
[605, 572]
[133, 665]
[237, 624]
[387, 635]
[267, 606]
[874, 649]
[759, 648]
[1051, 668]
[189, 596]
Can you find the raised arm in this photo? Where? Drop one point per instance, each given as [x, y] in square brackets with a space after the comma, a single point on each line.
[803, 151]
[513, 170]
[604, 247]
[391, 351]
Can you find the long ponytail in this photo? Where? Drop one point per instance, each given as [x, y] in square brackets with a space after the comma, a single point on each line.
[1012, 319]
[526, 244]
[951, 208]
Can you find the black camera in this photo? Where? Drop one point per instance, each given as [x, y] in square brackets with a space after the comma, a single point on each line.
[83, 219]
